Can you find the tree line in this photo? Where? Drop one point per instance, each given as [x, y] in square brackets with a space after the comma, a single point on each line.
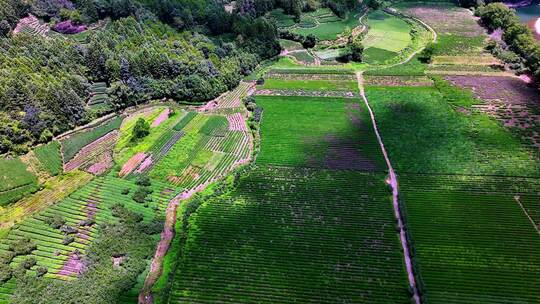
[517, 36]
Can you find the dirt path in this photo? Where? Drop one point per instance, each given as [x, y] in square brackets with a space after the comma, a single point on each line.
[145, 296]
[536, 227]
[393, 182]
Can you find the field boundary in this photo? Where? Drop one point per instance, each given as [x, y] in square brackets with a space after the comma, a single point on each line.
[393, 182]
[516, 198]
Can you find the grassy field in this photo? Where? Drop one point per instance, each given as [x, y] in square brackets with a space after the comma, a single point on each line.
[309, 131]
[317, 85]
[292, 235]
[473, 242]
[49, 157]
[15, 180]
[72, 144]
[386, 32]
[425, 132]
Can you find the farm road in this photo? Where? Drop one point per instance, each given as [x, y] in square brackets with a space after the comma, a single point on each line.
[393, 182]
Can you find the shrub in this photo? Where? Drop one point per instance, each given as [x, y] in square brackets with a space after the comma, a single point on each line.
[67, 27]
[154, 227]
[87, 222]
[143, 181]
[125, 215]
[68, 239]
[7, 257]
[68, 229]
[55, 221]
[141, 129]
[22, 246]
[29, 262]
[5, 273]
[125, 191]
[41, 271]
[310, 41]
[426, 55]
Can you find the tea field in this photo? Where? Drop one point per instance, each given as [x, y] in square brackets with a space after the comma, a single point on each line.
[409, 176]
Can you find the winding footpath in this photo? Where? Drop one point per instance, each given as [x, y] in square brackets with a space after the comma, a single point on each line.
[393, 182]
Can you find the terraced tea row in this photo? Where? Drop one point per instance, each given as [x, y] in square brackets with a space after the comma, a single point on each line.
[61, 232]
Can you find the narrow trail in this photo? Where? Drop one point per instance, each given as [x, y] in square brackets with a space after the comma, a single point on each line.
[536, 227]
[393, 182]
[156, 268]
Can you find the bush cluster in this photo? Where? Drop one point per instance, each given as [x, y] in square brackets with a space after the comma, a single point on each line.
[517, 36]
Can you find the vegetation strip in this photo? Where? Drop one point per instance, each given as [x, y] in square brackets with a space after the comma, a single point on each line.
[393, 182]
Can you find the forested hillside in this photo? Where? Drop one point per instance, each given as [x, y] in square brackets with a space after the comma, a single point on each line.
[143, 53]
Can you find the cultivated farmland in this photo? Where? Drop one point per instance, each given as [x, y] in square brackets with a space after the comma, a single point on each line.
[294, 235]
[386, 153]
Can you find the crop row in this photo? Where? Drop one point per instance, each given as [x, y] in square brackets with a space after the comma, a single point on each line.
[474, 243]
[206, 152]
[232, 99]
[306, 93]
[277, 74]
[81, 214]
[89, 153]
[292, 235]
[74, 143]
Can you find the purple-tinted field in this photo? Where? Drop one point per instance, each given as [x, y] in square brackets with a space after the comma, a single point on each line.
[508, 99]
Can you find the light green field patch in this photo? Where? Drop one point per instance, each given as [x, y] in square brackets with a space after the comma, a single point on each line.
[127, 148]
[329, 54]
[319, 85]
[290, 45]
[376, 55]
[214, 161]
[129, 123]
[387, 32]
[329, 29]
[202, 158]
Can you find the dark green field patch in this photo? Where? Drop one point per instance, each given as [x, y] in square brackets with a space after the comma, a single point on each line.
[375, 55]
[473, 242]
[425, 133]
[15, 180]
[317, 132]
[288, 235]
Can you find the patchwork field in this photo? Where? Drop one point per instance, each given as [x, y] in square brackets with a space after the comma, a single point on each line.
[469, 191]
[403, 178]
[322, 23]
[312, 221]
[429, 131]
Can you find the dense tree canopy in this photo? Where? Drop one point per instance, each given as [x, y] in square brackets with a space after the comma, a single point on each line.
[44, 83]
[517, 35]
